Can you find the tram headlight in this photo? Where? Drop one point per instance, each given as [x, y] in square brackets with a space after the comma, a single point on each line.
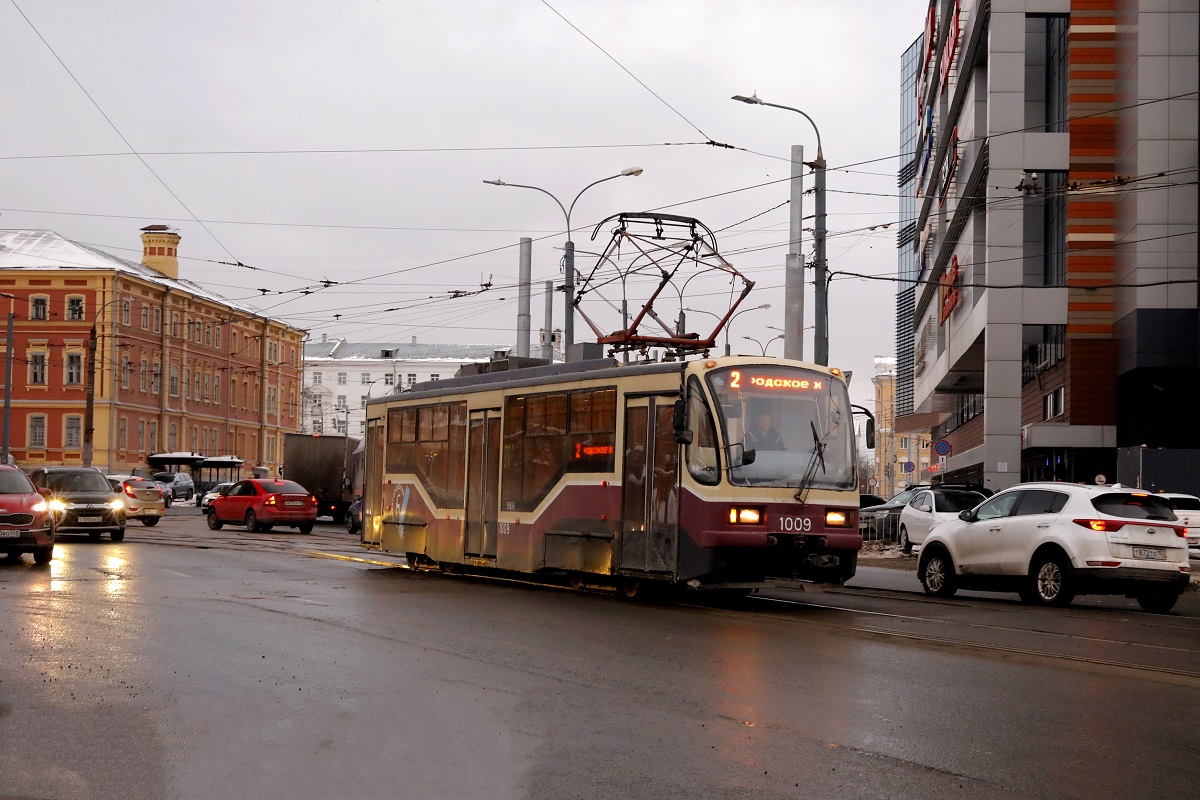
[837, 518]
[739, 515]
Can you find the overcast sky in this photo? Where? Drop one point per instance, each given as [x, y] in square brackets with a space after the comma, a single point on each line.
[472, 90]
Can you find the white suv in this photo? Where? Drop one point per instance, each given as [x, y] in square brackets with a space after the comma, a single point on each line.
[1051, 541]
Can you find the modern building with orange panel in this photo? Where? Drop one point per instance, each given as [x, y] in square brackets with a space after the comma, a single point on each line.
[177, 367]
[1055, 325]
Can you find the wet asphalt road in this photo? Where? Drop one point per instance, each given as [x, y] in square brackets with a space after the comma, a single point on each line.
[185, 663]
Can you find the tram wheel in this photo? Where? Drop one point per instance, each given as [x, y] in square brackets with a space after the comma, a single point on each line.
[629, 587]
[447, 567]
[575, 581]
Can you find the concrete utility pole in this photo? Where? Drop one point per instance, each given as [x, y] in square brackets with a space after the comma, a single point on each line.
[821, 277]
[569, 248]
[793, 309]
[523, 292]
[548, 340]
[89, 406]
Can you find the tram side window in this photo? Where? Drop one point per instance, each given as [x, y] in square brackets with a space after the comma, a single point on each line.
[702, 460]
[547, 436]
[431, 442]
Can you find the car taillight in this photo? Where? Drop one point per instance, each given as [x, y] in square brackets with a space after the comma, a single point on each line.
[270, 501]
[129, 490]
[1102, 525]
[312, 499]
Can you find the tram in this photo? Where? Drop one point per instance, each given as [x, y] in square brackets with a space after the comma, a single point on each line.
[621, 475]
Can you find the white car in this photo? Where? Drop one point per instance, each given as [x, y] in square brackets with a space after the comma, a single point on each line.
[1187, 508]
[928, 507]
[215, 491]
[1052, 541]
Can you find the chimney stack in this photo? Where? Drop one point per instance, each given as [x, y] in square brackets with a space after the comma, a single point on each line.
[159, 250]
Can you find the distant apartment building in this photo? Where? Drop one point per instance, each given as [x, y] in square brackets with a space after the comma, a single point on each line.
[1054, 321]
[901, 457]
[340, 376]
[177, 367]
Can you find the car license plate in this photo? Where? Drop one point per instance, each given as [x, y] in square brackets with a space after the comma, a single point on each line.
[10, 534]
[91, 519]
[1150, 553]
[293, 502]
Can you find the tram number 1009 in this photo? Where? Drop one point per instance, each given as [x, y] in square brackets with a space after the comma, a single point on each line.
[795, 524]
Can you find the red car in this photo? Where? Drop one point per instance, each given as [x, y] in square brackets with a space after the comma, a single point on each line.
[26, 524]
[262, 503]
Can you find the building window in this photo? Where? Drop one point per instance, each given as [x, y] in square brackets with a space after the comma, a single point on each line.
[126, 368]
[434, 377]
[143, 376]
[317, 377]
[74, 369]
[156, 379]
[1056, 73]
[216, 390]
[208, 333]
[273, 400]
[157, 320]
[903, 442]
[174, 325]
[145, 317]
[39, 307]
[173, 381]
[217, 337]
[389, 379]
[75, 308]
[207, 386]
[141, 435]
[409, 380]
[197, 385]
[365, 379]
[172, 438]
[1054, 213]
[187, 384]
[153, 436]
[122, 426]
[37, 369]
[1053, 404]
[341, 379]
[126, 309]
[199, 332]
[73, 432]
[37, 431]
[362, 426]
[341, 401]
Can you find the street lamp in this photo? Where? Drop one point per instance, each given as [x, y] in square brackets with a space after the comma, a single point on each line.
[761, 345]
[569, 254]
[729, 324]
[821, 278]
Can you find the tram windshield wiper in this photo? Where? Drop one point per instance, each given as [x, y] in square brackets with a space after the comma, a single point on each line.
[815, 460]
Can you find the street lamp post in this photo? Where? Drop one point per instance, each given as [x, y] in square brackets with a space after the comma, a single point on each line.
[728, 324]
[569, 248]
[761, 345]
[821, 277]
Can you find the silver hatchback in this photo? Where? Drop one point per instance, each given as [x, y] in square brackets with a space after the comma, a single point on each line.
[142, 497]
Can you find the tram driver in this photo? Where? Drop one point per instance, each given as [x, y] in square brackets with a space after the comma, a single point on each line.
[761, 435]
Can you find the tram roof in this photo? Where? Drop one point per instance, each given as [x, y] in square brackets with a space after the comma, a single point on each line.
[535, 376]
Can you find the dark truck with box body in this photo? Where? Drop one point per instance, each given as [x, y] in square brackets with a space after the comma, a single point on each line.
[324, 465]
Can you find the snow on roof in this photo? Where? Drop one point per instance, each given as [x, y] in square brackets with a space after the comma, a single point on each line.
[341, 350]
[45, 249]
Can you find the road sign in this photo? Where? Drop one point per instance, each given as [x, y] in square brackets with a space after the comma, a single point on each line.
[942, 462]
[872, 483]
[1101, 479]
[909, 466]
[942, 447]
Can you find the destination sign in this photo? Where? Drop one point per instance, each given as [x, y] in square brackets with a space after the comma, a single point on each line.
[738, 380]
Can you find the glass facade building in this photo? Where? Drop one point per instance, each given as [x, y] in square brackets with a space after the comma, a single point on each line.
[906, 261]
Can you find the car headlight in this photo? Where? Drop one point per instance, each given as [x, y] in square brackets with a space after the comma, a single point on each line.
[57, 505]
[116, 504]
[40, 506]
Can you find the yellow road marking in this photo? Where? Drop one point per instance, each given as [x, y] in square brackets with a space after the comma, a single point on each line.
[336, 557]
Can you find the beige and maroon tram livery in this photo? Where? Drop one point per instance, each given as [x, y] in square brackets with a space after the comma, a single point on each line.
[727, 473]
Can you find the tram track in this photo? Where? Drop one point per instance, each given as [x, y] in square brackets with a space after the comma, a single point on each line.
[1186, 677]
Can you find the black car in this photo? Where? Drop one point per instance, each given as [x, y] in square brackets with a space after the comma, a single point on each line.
[83, 501]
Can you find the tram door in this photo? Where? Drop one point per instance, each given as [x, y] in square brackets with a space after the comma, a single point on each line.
[650, 516]
[483, 482]
[371, 531]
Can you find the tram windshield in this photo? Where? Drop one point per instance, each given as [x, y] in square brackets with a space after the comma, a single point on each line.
[797, 421]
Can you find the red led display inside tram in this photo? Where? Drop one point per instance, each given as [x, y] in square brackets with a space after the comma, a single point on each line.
[737, 380]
